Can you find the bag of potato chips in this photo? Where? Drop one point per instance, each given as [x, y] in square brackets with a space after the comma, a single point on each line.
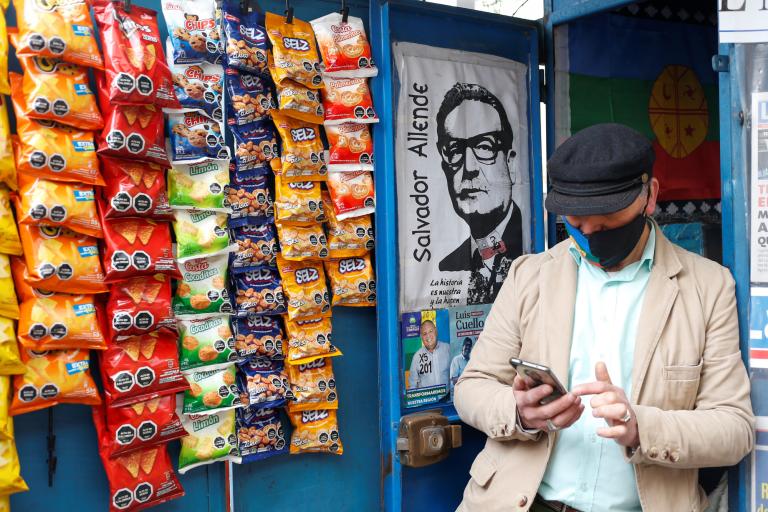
[260, 434]
[300, 102]
[309, 339]
[302, 242]
[206, 342]
[137, 247]
[211, 390]
[349, 237]
[203, 287]
[212, 438]
[9, 235]
[199, 185]
[313, 385]
[200, 233]
[142, 425]
[343, 46]
[352, 194]
[304, 288]
[10, 471]
[315, 431]
[302, 157]
[140, 305]
[294, 51]
[351, 147]
[61, 322]
[10, 360]
[9, 307]
[5, 87]
[352, 281]
[194, 31]
[299, 203]
[7, 153]
[20, 276]
[51, 378]
[6, 424]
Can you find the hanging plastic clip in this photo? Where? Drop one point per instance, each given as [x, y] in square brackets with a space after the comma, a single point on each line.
[344, 11]
[288, 12]
[127, 5]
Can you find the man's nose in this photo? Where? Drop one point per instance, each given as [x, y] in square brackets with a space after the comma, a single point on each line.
[471, 168]
[585, 224]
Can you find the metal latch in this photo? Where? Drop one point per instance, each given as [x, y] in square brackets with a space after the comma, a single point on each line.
[721, 63]
[425, 438]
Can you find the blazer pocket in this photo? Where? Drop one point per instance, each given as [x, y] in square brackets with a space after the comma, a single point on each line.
[682, 372]
[482, 469]
[681, 386]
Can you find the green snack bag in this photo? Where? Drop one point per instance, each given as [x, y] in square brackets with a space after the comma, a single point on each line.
[211, 390]
[212, 438]
[206, 341]
[200, 233]
[203, 287]
[199, 185]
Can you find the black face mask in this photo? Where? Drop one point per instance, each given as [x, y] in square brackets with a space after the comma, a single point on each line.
[610, 247]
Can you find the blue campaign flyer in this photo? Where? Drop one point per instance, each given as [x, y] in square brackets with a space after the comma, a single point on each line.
[466, 325]
[426, 348]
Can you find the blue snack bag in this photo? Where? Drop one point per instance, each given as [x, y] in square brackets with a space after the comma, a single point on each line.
[264, 382]
[259, 291]
[199, 87]
[195, 137]
[193, 26]
[255, 145]
[260, 336]
[256, 247]
[251, 202]
[250, 98]
[260, 434]
[247, 40]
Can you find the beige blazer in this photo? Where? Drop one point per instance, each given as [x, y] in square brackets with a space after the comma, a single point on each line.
[690, 390]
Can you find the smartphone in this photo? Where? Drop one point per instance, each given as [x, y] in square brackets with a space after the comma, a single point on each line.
[540, 374]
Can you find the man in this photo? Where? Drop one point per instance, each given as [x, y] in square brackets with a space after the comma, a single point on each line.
[474, 138]
[429, 366]
[643, 333]
[460, 361]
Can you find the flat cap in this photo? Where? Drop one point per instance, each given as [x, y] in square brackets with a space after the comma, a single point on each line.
[599, 170]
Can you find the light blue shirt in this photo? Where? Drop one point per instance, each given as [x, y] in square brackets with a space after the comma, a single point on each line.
[587, 471]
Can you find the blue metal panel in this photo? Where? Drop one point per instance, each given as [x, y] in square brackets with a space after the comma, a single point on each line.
[566, 10]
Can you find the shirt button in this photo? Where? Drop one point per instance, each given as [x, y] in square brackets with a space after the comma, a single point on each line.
[523, 501]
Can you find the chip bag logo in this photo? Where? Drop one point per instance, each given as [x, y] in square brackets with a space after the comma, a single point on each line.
[198, 376]
[340, 29]
[196, 265]
[83, 195]
[128, 26]
[296, 44]
[195, 119]
[253, 33]
[312, 416]
[351, 265]
[52, 5]
[303, 134]
[206, 422]
[260, 321]
[197, 328]
[196, 170]
[307, 275]
[193, 23]
[77, 367]
[201, 216]
[260, 364]
[82, 146]
[84, 309]
[302, 185]
[313, 365]
[309, 322]
[196, 73]
[87, 251]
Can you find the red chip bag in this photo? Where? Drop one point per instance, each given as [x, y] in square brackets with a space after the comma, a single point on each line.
[141, 425]
[136, 71]
[139, 479]
[352, 193]
[137, 247]
[141, 368]
[351, 147]
[140, 305]
[347, 100]
[135, 132]
[134, 189]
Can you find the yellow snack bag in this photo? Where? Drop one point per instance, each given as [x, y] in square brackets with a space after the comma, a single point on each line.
[300, 102]
[302, 242]
[9, 305]
[5, 87]
[352, 281]
[349, 237]
[10, 361]
[9, 235]
[6, 426]
[309, 339]
[302, 157]
[313, 385]
[61, 321]
[304, 288]
[10, 470]
[7, 164]
[294, 51]
[298, 203]
[315, 431]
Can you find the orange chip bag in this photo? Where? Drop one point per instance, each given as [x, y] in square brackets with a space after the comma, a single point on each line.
[298, 203]
[10, 360]
[304, 289]
[351, 147]
[315, 431]
[309, 339]
[294, 51]
[302, 242]
[313, 385]
[299, 102]
[45, 149]
[352, 281]
[303, 156]
[23, 290]
[344, 46]
[51, 378]
[350, 237]
[58, 91]
[7, 167]
[61, 30]
[9, 235]
[348, 100]
[352, 194]
[48, 203]
[60, 260]
[61, 321]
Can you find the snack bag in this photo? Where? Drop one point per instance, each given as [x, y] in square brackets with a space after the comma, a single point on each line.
[140, 305]
[199, 185]
[206, 341]
[53, 151]
[350, 237]
[256, 247]
[255, 146]
[308, 339]
[348, 100]
[302, 242]
[141, 368]
[20, 276]
[246, 48]
[343, 46]
[194, 31]
[351, 147]
[250, 98]
[211, 439]
[313, 385]
[195, 138]
[7, 153]
[265, 383]
[5, 87]
[352, 281]
[259, 291]
[260, 434]
[352, 194]
[211, 390]
[200, 233]
[53, 377]
[136, 72]
[139, 479]
[294, 51]
[303, 156]
[10, 471]
[10, 361]
[55, 90]
[9, 306]
[61, 322]
[60, 30]
[48, 203]
[9, 235]
[258, 335]
[250, 202]
[203, 288]
[305, 290]
[142, 425]
[134, 132]
[61, 260]
[137, 247]
[299, 102]
[6, 422]
[298, 203]
[134, 189]
[199, 87]
[315, 431]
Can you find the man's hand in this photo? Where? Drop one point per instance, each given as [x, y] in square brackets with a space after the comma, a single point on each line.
[610, 403]
[563, 412]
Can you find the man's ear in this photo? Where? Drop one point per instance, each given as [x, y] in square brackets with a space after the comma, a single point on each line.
[511, 166]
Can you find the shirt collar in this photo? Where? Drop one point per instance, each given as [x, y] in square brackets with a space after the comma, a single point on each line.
[630, 271]
[499, 231]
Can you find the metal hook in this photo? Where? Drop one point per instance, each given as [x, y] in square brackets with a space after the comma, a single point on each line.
[288, 12]
[127, 5]
[344, 11]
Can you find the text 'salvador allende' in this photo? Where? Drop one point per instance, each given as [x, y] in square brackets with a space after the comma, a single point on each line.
[418, 139]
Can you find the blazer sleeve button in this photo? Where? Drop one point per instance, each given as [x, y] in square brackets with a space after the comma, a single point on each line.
[653, 452]
[674, 456]
[523, 501]
[664, 454]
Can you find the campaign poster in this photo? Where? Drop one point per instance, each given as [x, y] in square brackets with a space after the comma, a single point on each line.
[462, 174]
[426, 352]
[466, 325]
[759, 204]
